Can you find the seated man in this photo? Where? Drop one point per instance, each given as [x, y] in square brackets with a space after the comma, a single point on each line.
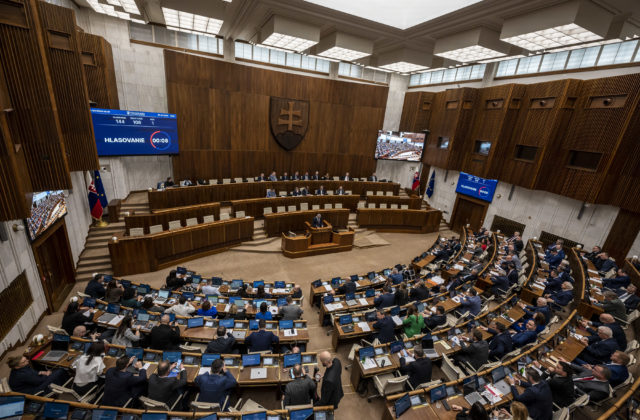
[306, 176]
[261, 177]
[384, 300]
[612, 305]
[346, 177]
[261, 340]
[273, 176]
[419, 370]
[560, 380]
[120, 385]
[564, 296]
[348, 287]
[373, 177]
[501, 342]
[316, 176]
[290, 311]
[536, 396]
[317, 221]
[326, 176]
[476, 353]
[321, 191]
[216, 385]
[385, 327]
[621, 280]
[618, 367]
[606, 320]
[296, 192]
[285, 177]
[295, 176]
[165, 336]
[271, 193]
[95, 287]
[419, 292]
[169, 182]
[301, 390]
[600, 351]
[471, 302]
[166, 389]
[500, 285]
[434, 321]
[593, 255]
[23, 378]
[223, 343]
[604, 264]
[395, 276]
[553, 284]
[629, 297]
[541, 306]
[525, 337]
[592, 380]
[553, 258]
[339, 191]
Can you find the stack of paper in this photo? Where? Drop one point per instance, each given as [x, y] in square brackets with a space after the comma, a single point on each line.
[116, 320]
[290, 333]
[364, 326]
[396, 319]
[383, 361]
[363, 301]
[369, 363]
[328, 287]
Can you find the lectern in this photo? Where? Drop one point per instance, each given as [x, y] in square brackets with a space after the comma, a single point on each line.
[320, 235]
[316, 241]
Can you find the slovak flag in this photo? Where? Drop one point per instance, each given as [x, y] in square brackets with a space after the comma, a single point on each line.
[416, 181]
[94, 202]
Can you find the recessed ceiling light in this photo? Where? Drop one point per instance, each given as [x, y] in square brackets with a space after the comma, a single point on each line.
[345, 47]
[403, 67]
[288, 34]
[405, 60]
[123, 9]
[186, 22]
[471, 46]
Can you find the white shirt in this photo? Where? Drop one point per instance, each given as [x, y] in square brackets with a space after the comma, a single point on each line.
[182, 310]
[86, 374]
[209, 290]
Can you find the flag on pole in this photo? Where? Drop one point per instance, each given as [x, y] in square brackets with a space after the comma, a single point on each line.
[95, 205]
[416, 181]
[432, 183]
[100, 189]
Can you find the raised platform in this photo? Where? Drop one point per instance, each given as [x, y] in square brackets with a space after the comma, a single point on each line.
[316, 242]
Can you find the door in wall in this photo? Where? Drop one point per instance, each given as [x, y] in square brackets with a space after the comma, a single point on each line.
[55, 264]
[469, 211]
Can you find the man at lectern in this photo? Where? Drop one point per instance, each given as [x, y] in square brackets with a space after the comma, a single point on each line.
[317, 221]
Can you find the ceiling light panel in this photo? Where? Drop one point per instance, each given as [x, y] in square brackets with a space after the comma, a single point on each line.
[288, 42]
[471, 54]
[281, 32]
[477, 44]
[188, 22]
[343, 54]
[123, 9]
[553, 37]
[402, 67]
[343, 46]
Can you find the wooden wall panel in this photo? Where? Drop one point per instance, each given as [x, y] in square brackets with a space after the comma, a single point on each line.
[223, 120]
[97, 63]
[622, 235]
[14, 301]
[33, 121]
[69, 87]
[416, 111]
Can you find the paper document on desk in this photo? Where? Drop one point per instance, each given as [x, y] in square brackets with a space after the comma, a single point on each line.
[279, 291]
[380, 278]
[538, 286]
[116, 320]
[363, 301]
[88, 313]
[357, 284]
[396, 319]
[369, 363]
[226, 307]
[364, 326]
[592, 271]
[456, 299]
[596, 280]
[328, 288]
[383, 361]
[203, 370]
[258, 373]
[458, 267]
[147, 365]
[290, 332]
[437, 280]
[445, 345]
[493, 399]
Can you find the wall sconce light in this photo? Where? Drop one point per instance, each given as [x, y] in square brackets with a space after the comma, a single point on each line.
[17, 228]
[499, 196]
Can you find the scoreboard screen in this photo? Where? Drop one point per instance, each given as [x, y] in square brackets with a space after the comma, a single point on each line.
[119, 132]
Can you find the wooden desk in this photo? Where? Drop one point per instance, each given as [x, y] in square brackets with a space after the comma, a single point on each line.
[142, 254]
[199, 194]
[568, 349]
[419, 265]
[113, 210]
[392, 220]
[277, 223]
[427, 411]
[163, 217]
[302, 246]
[414, 202]
[255, 206]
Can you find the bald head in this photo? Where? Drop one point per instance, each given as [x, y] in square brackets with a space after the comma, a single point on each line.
[542, 301]
[325, 358]
[165, 319]
[606, 318]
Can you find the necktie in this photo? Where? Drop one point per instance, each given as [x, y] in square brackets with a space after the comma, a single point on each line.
[585, 379]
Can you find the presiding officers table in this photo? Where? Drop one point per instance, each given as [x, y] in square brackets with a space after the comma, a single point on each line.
[400, 220]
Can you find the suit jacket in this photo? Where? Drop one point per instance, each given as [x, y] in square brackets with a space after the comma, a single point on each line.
[285, 177]
[401, 297]
[500, 344]
[221, 345]
[616, 282]
[616, 308]
[476, 353]
[434, 321]
[512, 276]
[345, 178]
[261, 178]
[518, 245]
[347, 288]
[120, 386]
[554, 285]
[418, 293]
[166, 389]
[323, 192]
[273, 178]
[384, 300]
[95, 289]
[386, 329]
[544, 310]
[553, 260]
[630, 301]
[619, 374]
[331, 385]
[597, 390]
[164, 337]
[599, 352]
[215, 388]
[473, 304]
[537, 398]
[300, 391]
[500, 284]
[523, 338]
[606, 265]
[261, 340]
[396, 278]
[419, 371]
[618, 334]
[562, 298]
[317, 222]
[26, 380]
[562, 389]
[373, 178]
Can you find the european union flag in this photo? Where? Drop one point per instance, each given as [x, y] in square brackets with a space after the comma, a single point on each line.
[100, 189]
[432, 183]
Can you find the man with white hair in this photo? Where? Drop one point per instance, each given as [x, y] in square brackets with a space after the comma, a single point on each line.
[599, 352]
[606, 320]
[564, 296]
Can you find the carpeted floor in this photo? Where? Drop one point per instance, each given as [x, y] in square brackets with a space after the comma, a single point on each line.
[271, 267]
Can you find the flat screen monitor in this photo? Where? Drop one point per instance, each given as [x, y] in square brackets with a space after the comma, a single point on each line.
[210, 417]
[370, 293]
[113, 308]
[154, 416]
[195, 322]
[308, 358]
[254, 324]
[396, 346]
[227, 323]
[335, 281]
[121, 133]
[138, 353]
[164, 294]
[216, 281]
[143, 317]
[286, 324]
[11, 407]
[258, 283]
[402, 404]
[89, 302]
[394, 145]
[46, 208]
[281, 301]
[236, 284]
[482, 147]
[368, 351]
[171, 356]
[250, 360]
[54, 410]
[104, 415]
[255, 416]
[346, 319]
[498, 374]
[181, 270]
[292, 359]
[438, 393]
[302, 414]
[60, 342]
[279, 285]
[327, 299]
[208, 358]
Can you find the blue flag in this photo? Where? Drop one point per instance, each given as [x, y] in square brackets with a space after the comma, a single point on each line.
[432, 183]
[97, 179]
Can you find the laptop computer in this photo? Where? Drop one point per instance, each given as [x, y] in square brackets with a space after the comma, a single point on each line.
[142, 320]
[59, 348]
[498, 375]
[427, 346]
[195, 322]
[163, 295]
[239, 334]
[475, 397]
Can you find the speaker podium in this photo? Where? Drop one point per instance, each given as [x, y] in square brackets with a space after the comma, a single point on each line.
[316, 241]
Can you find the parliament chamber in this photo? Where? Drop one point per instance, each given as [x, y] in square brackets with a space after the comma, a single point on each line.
[310, 209]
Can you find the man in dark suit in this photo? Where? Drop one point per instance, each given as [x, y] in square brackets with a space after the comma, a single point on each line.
[317, 221]
[346, 177]
[476, 352]
[419, 292]
[331, 391]
[606, 320]
[339, 191]
[95, 287]
[621, 280]
[593, 255]
[564, 296]
[120, 385]
[384, 300]
[525, 337]
[501, 343]
[348, 287]
[166, 389]
[285, 177]
[553, 258]
[295, 176]
[618, 367]
[628, 297]
[261, 340]
[271, 193]
[373, 177]
[385, 327]
[419, 370]
[395, 276]
[215, 385]
[458, 280]
[541, 306]
[500, 285]
[604, 264]
[301, 390]
[553, 284]
[164, 336]
[536, 397]
[23, 378]
[592, 380]
[434, 321]
[223, 343]
[600, 351]
[518, 245]
[471, 302]
[262, 177]
[273, 176]
[613, 305]
[316, 176]
[306, 176]
[512, 273]
[321, 191]
[560, 380]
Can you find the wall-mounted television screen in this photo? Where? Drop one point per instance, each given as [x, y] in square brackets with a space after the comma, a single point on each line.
[400, 145]
[482, 147]
[46, 208]
[121, 133]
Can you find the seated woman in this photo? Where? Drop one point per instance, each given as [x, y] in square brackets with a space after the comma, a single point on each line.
[114, 292]
[264, 312]
[207, 310]
[413, 323]
[125, 335]
[129, 298]
[261, 294]
[89, 368]
[74, 317]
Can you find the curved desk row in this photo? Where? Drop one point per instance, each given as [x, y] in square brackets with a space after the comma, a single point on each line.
[414, 202]
[142, 254]
[184, 196]
[277, 223]
[254, 207]
[163, 217]
[400, 220]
